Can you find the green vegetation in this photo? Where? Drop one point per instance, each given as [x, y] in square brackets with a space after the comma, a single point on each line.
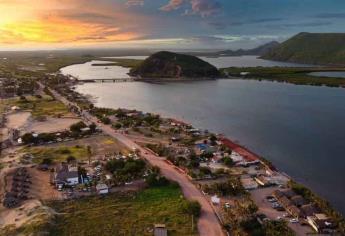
[40, 107]
[232, 186]
[269, 228]
[321, 203]
[292, 75]
[172, 65]
[56, 154]
[131, 214]
[125, 170]
[311, 48]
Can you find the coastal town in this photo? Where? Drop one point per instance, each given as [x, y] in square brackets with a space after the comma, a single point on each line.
[59, 150]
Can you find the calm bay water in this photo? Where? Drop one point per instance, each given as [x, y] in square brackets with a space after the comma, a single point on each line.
[335, 74]
[299, 128]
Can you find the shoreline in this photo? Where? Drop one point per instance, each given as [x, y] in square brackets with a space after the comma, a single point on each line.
[246, 151]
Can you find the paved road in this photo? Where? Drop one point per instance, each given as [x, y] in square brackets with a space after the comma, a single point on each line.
[208, 224]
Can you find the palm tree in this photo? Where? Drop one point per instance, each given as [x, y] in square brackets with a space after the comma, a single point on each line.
[89, 153]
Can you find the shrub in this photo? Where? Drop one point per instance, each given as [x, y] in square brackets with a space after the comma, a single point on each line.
[192, 208]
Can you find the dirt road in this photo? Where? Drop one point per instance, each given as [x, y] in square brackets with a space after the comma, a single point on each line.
[208, 224]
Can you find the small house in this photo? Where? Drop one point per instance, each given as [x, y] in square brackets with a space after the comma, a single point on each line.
[160, 230]
[102, 189]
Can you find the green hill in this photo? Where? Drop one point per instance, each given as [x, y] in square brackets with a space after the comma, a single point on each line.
[173, 65]
[311, 48]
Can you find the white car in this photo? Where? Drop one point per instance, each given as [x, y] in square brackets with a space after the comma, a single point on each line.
[294, 220]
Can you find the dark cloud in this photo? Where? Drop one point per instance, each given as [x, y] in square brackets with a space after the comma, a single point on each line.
[331, 15]
[306, 24]
[218, 25]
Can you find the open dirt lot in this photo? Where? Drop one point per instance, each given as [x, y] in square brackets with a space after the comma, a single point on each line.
[101, 145]
[51, 125]
[17, 120]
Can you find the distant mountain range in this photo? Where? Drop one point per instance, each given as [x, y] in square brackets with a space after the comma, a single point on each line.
[311, 48]
[259, 51]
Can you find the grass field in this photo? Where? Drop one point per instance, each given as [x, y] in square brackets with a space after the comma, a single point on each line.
[56, 154]
[45, 106]
[123, 215]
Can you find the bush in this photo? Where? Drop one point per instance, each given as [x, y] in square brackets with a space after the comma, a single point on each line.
[192, 208]
[46, 161]
[28, 138]
[154, 180]
[77, 127]
[70, 159]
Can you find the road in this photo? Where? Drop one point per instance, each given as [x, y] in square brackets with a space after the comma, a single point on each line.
[208, 224]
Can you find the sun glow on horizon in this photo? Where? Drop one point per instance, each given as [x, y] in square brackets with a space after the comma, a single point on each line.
[22, 23]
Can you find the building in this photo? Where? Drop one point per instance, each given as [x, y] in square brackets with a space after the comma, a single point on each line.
[262, 181]
[64, 175]
[102, 189]
[160, 230]
[321, 223]
[248, 183]
[298, 200]
[309, 210]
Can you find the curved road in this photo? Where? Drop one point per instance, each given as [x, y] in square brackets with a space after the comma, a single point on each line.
[208, 224]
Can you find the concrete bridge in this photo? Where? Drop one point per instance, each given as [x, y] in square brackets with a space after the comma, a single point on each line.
[117, 80]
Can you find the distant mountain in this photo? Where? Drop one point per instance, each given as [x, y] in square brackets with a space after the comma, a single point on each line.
[311, 48]
[173, 65]
[261, 50]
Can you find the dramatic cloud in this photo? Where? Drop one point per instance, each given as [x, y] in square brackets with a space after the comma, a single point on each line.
[135, 3]
[198, 7]
[75, 22]
[172, 5]
[205, 7]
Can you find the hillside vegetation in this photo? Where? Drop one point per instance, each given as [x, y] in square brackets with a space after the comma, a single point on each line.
[311, 48]
[173, 65]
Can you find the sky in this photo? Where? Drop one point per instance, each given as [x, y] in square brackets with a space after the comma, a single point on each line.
[181, 24]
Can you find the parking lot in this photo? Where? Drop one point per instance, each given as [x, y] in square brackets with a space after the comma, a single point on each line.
[259, 196]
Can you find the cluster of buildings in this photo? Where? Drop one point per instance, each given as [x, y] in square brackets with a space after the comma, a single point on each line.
[300, 208]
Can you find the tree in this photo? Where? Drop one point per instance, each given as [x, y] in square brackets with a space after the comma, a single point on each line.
[46, 161]
[28, 138]
[77, 127]
[228, 161]
[192, 208]
[92, 127]
[213, 140]
[70, 159]
[89, 153]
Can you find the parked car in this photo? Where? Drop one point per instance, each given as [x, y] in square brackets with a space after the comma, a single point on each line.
[294, 220]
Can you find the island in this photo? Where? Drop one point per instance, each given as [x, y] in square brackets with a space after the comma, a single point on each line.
[173, 65]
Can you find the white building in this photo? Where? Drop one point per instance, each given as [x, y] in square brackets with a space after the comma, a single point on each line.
[102, 189]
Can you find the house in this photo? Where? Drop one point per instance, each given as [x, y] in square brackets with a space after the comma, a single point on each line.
[236, 157]
[248, 183]
[298, 200]
[295, 211]
[102, 189]
[160, 230]
[262, 181]
[321, 223]
[215, 200]
[309, 210]
[65, 175]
